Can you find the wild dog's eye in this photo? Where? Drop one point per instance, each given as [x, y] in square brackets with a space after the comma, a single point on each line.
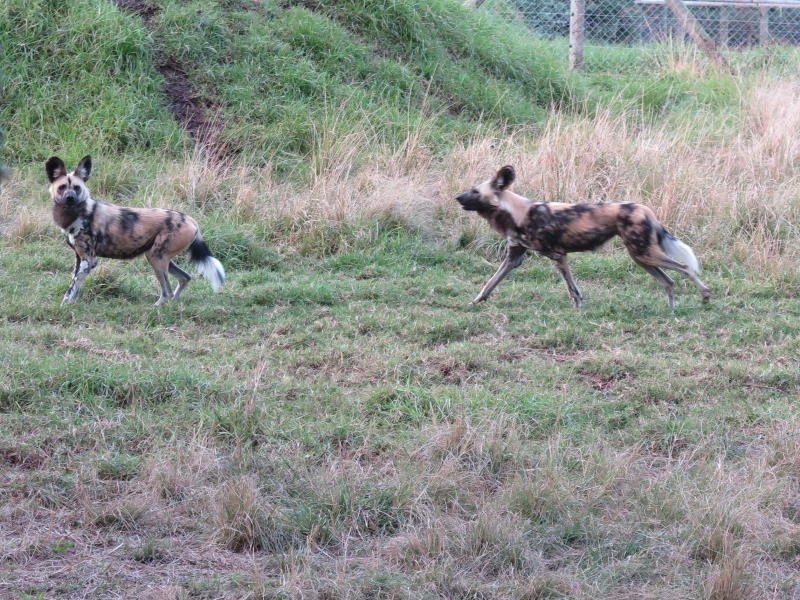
[61, 187]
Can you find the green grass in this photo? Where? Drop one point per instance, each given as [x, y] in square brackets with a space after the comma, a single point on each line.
[78, 77]
[369, 406]
[82, 75]
[341, 422]
[277, 79]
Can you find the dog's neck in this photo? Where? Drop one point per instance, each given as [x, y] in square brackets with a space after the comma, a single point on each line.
[65, 215]
[515, 205]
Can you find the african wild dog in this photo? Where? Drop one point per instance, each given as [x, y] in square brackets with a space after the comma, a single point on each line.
[555, 229]
[95, 229]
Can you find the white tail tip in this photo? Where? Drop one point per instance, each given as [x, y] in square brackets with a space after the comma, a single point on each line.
[679, 251]
[213, 271]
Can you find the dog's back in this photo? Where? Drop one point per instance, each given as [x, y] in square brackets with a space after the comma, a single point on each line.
[123, 232]
[563, 228]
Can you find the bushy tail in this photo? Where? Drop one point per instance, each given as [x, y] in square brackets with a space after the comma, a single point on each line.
[679, 251]
[208, 266]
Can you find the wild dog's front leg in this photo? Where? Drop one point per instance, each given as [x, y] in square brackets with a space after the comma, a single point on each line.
[513, 259]
[560, 261]
[82, 268]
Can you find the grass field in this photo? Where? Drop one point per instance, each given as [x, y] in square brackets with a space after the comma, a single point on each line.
[351, 427]
[341, 422]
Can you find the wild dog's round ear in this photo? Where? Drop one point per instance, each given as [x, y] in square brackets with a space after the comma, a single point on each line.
[84, 168]
[504, 178]
[55, 168]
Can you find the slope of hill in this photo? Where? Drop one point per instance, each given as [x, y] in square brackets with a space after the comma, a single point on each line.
[259, 80]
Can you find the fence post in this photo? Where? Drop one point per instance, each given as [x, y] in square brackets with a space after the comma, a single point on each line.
[724, 26]
[696, 32]
[577, 19]
[763, 26]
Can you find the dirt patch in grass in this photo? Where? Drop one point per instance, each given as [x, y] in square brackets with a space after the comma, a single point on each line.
[184, 99]
[140, 7]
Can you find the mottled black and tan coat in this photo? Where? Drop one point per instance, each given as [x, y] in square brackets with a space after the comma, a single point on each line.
[95, 229]
[555, 229]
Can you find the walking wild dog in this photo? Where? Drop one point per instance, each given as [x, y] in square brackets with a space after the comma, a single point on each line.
[95, 229]
[555, 229]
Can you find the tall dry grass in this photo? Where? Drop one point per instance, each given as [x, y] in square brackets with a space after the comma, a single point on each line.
[728, 190]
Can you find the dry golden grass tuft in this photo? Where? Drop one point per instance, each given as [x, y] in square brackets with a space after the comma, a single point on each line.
[783, 457]
[730, 580]
[239, 519]
[770, 148]
[178, 474]
[23, 218]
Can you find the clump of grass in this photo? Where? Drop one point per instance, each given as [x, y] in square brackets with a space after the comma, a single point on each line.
[244, 521]
[541, 498]
[119, 467]
[324, 510]
[23, 221]
[119, 514]
[730, 581]
[784, 449]
[486, 453]
[772, 109]
[240, 521]
[184, 473]
[151, 551]
[496, 543]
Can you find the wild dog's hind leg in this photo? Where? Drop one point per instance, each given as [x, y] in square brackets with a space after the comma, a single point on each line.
[513, 259]
[664, 280]
[183, 278]
[82, 268]
[705, 293]
[160, 266]
[660, 260]
[560, 261]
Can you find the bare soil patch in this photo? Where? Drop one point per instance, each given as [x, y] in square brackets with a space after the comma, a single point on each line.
[185, 100]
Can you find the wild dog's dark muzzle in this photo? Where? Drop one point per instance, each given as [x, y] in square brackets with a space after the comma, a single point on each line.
[68, 197]
[470, 200]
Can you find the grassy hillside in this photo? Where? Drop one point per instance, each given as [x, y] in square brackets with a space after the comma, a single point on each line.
[269, 82]
[340, 422]
[269, 78]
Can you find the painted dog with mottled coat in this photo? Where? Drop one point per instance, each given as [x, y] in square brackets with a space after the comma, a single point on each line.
[555, 229]
[95, 229]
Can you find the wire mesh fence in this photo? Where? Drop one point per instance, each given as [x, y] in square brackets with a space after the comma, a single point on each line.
[733, 25]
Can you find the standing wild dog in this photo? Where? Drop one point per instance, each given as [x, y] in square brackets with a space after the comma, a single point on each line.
[555, 229]
[96, 229]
